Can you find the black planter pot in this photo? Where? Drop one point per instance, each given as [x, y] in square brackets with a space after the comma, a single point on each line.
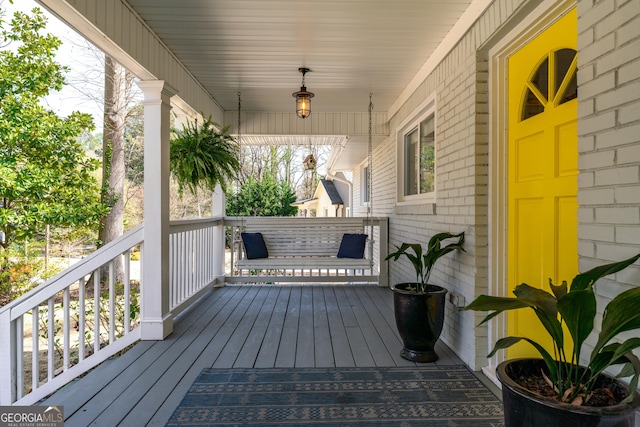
[522, 408]
[419, 319]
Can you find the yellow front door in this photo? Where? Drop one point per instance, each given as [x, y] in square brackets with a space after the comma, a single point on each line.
[543, 169]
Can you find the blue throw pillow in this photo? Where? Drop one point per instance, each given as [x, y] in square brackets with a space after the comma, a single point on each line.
[352, 246]
[254, 246]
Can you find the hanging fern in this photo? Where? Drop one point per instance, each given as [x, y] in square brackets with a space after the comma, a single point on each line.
[203, 155]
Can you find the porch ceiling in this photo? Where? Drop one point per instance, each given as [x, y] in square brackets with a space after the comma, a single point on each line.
[353, 47]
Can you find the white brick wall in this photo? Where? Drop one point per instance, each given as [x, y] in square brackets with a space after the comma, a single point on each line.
[609, 141]
[609, 162]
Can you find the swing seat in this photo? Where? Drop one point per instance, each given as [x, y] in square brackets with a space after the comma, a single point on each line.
[306, 250]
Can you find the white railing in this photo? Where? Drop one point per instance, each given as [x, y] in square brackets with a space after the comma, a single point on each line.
[196, 254]
[70, 323]
[91, 311]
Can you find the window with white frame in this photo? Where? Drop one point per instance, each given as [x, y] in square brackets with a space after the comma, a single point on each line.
[416, 157]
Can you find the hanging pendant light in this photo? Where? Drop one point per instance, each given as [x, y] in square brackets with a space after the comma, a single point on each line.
[303, 97]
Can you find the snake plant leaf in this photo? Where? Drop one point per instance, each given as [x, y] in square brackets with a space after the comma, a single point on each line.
[435, 250]
[616, 354]
[552, 325]
[620, 315]
[415, 258]
[558, 290]
[634, 372]
[581, 281]
[578, 310]
[495, 304]
[537, 297]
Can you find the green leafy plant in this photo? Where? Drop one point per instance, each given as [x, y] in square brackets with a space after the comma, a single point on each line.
[423, 262]
[575, 309]
[203, 155]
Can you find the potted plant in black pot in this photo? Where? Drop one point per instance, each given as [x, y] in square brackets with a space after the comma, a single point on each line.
[419, 305]
[556, 390]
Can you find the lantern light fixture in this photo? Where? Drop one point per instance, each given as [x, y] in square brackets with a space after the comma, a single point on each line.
[303, 97]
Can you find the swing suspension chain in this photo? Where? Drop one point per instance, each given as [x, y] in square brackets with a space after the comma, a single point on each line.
[369, 182]
[239, 144]
[370, 162]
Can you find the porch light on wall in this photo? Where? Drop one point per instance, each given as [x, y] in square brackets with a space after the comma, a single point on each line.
[303, 97]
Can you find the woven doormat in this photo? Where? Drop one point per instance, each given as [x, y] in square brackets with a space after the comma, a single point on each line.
[446, 396]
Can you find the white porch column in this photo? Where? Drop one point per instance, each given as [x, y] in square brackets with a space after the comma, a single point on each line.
[218, 210]
[157, 321]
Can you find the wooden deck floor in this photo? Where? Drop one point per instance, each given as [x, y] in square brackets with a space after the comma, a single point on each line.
[239, 326]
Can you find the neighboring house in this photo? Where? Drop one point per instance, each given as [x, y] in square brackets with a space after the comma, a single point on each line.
[326, 201]
[522, 128]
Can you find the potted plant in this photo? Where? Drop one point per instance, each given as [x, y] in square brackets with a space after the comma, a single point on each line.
[565, 392]
[419, 306]
[203, 155]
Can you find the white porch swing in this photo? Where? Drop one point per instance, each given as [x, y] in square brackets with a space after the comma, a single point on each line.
[308, 250]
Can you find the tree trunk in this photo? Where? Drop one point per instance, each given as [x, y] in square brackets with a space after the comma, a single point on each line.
[116, 95]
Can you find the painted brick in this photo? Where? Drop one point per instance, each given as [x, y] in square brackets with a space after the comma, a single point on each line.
[590, 16]
[617, 176]
[630, 234]
[618, 57]
[586, 144]
[586, 248]
[598, 49]
[630, 113]
[617, 97]
[628, 195]
[618, 137]
[601, 84]
[586, 179]
[600, 196]
[596, 160]
[618, 215]
[629, 30]
[586, 215]
[612, 22]
[629, 154]
[597, 123]
[597, 232]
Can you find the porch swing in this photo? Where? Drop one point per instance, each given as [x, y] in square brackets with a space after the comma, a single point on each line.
[297, 249]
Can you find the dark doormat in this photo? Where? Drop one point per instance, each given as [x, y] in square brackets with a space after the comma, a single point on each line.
[434, 396]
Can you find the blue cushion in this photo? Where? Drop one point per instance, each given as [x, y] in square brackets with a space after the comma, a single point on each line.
[254, 246]
[352, 246]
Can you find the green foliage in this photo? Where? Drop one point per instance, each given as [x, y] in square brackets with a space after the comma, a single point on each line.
[203, 155]
[423, 263]
[574, 308]
[45, 176]
[262, 198]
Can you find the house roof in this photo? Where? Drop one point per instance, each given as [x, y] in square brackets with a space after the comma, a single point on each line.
[332, 192]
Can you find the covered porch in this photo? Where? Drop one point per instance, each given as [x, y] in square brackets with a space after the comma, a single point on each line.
[254, 326]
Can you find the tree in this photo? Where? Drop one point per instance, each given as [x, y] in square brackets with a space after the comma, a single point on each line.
[45, 175]
[262, 198]
[118, 89]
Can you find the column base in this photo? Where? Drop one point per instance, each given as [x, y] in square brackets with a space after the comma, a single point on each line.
[156, 329]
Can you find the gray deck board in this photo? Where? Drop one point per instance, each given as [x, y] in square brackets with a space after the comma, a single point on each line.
[255, 326]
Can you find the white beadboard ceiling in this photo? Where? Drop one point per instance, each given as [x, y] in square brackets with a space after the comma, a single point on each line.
[353, 47]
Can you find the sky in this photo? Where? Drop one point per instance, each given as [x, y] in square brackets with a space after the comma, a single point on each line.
[74, 54]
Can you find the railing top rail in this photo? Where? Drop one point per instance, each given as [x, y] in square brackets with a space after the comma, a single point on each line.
[376, 220]
[183, 225]
[74, 273]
